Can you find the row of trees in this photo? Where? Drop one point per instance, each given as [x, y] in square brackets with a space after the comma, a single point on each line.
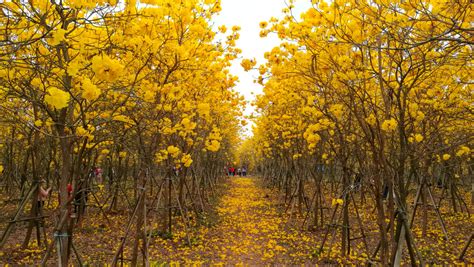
[371, 96]
[140, 89]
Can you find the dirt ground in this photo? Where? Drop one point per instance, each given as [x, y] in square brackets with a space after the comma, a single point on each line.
[247, 227]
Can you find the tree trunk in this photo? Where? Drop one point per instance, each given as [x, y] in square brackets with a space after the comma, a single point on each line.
[63, 198]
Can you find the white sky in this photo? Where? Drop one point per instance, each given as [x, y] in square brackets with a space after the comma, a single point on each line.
[248, 14]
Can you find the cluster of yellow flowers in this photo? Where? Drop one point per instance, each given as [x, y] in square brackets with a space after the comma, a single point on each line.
[57, 98]
[58, 36]
[213, 140]
[187, 160]
[337, 201]
[248, 64]
[415, 138]
[463, 150]
[106, 68]
[81, 131]
[311, 136]
[173, 151]
[90, 91]
[389, 125]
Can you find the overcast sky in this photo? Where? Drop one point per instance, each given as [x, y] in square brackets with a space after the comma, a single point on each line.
[248, 14]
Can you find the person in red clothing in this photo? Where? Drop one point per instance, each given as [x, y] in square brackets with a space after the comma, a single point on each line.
[69, 191]
[69, 197]
[97, 174]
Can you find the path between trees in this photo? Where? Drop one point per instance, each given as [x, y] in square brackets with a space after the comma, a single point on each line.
[250, 225]
[250, 231]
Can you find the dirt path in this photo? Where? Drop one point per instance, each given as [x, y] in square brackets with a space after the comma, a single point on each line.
[250, 231]
[249, 224]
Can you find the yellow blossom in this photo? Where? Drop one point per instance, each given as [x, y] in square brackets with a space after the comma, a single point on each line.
[89, 90]
[446, 157]
[203, 109]
[222, 28]
[106, 68]
[58, 36]
[389, 125]
[173, 151]
[337, 110]
[186, 160]
[80, 131]
[463, 150]
[418, 138]
[57, 98]
[371, 120]
[248, 64]
[337, 201]
[161, 156]
[213, 145]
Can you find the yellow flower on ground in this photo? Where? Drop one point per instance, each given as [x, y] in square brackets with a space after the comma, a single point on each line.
[463, 150]
[337, 201]
[446, 157]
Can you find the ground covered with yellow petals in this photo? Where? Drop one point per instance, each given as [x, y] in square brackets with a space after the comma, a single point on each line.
[249, 231]
[244, 228]
[247, 226]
